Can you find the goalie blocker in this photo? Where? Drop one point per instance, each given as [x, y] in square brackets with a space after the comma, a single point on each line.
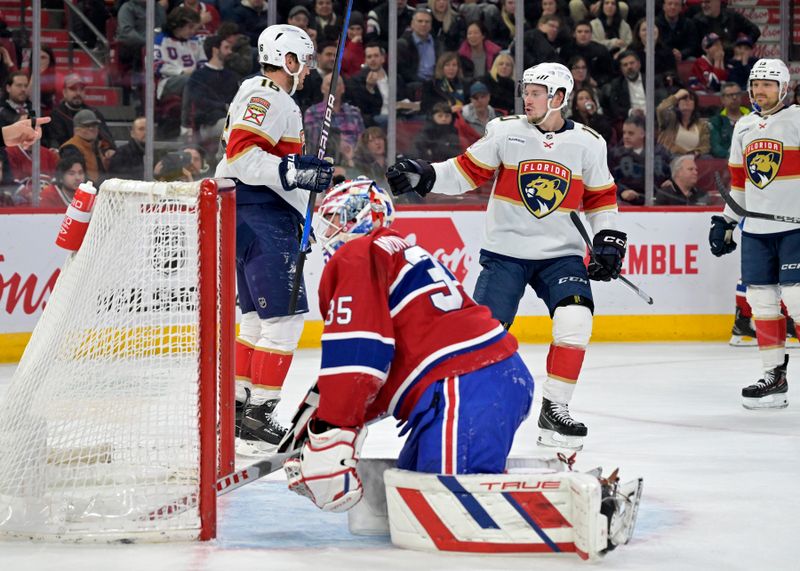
[536, 509]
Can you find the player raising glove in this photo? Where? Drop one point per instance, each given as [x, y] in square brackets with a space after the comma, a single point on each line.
[609, 251]
[720, 237]
[325, 472]
[411, 174]
[306, 172]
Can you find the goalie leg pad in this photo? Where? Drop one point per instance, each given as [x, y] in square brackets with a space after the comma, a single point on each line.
[371, 517]
[556, 512]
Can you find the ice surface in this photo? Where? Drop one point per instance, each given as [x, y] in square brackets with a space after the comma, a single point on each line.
[720, 483]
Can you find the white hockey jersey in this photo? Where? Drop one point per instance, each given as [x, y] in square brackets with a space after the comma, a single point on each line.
[541, 178]
[765, 168]
[264, 124]
[172, 57]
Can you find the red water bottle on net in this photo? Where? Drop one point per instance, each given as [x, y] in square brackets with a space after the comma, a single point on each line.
[76, 221]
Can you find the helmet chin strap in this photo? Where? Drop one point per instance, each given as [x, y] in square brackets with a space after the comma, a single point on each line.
[549, 110]
[757, 108]
[294, 75]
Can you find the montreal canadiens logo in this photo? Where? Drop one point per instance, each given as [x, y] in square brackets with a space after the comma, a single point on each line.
[762, 159]
[543, 185]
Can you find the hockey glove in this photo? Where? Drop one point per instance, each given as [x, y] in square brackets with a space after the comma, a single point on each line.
[609, 251]
[720, 237]
[325, 472]
[306, 172]
[411, 174]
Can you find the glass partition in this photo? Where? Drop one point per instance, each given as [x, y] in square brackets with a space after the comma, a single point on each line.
[457, 65]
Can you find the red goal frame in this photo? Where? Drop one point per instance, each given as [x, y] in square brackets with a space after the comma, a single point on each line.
[216, 336]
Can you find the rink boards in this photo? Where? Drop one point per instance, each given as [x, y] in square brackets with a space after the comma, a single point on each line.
[668, 257]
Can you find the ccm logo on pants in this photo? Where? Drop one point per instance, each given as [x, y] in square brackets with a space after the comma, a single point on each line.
[794, 266]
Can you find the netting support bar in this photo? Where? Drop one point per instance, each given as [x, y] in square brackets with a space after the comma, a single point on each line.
[227, 328]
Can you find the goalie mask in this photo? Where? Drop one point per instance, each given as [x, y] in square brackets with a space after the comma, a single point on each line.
[351, 209]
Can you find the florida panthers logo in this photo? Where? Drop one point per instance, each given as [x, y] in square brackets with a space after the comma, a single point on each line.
[543, 185]
[762, 159]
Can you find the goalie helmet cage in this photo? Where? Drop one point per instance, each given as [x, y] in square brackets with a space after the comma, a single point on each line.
[122, 405]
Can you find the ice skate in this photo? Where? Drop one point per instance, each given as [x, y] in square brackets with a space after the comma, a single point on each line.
[620, 504]
[239, 413]
[260, 433]
[558, 428]
[769, 392]
[743, 333]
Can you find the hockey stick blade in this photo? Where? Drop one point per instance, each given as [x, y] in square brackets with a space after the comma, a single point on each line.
[289, 447]
[740, 211]
[576, 220]
[225, 485]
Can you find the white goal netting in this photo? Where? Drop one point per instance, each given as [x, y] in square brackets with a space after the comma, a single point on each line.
[99, 430]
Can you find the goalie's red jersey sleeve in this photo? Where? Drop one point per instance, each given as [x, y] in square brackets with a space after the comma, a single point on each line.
[396, 320]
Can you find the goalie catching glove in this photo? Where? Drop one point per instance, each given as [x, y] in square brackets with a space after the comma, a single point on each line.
[306, 172]
[325, 472]
[609, 250]
[411, 174]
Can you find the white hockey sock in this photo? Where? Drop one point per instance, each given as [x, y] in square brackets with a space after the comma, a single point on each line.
[557, 391]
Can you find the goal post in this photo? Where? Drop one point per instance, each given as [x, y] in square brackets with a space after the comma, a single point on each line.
[123, 401]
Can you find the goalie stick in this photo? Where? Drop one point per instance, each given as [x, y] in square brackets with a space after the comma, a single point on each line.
[321, 147]
[576, 220]
[288, 448]
[740, 211]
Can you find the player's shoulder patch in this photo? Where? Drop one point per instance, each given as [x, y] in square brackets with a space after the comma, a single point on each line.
[255, 110]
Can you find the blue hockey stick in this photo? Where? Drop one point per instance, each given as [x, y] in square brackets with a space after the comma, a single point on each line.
[322, 145]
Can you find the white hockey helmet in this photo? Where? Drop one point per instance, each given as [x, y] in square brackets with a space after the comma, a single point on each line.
[351, 209]
[281, 39]
[771, 70]
[553, 76]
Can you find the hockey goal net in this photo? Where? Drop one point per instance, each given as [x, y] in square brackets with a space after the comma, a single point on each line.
[119, 417]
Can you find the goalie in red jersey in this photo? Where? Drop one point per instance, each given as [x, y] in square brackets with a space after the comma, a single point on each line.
[402, 338]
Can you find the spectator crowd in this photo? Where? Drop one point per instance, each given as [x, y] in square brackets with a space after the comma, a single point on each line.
[455, 73]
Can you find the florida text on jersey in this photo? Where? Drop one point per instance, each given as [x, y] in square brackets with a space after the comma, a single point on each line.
[396, 320]
[765, 167]
[541, 177]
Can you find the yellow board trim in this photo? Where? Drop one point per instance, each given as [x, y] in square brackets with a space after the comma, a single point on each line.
[527, 329]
